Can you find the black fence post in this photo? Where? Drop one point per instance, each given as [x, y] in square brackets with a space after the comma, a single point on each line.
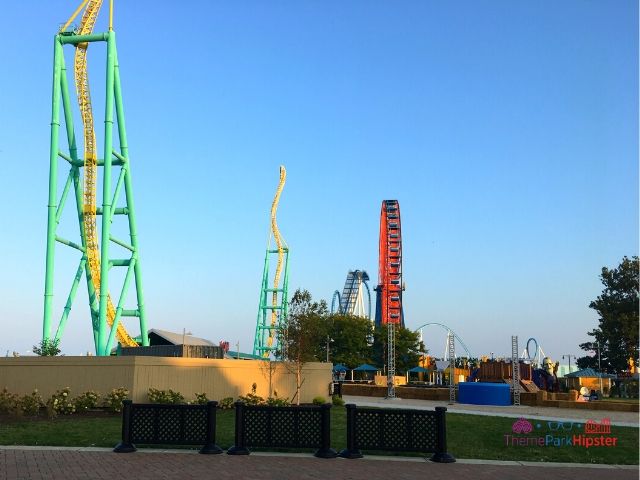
[210, 446]
[325, 450]
[338, 389]
[125, 446]
[239, 448]
[441, 455]
[351, 451]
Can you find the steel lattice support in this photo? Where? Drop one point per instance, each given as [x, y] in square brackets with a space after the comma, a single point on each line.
[95, 261]
[451, 350]
[515, 370]
[391, 360]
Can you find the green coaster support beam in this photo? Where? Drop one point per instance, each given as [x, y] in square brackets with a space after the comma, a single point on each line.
[103, 334]
[264, 329]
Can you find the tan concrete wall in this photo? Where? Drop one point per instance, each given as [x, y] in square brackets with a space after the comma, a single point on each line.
[217, 378]
[24, 374]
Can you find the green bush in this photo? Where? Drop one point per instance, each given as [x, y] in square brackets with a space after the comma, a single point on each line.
[226, 403]
[337, 401]
[319, 401]
[251, 398]
[8, 401]
[201, 399]
[165, 396]
[29, 404]
[276, 401]
[60, 403]
[47, 347]
[86, 401]
[113, 400]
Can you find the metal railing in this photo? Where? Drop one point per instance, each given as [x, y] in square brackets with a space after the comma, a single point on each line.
[161, 424]
[400, 430]
[283, 427]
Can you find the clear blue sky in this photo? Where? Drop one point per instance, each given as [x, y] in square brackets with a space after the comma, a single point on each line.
[507, 130]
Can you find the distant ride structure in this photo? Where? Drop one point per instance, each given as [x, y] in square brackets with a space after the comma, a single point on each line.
[352, 302]
[390, 285]
[273, 305]
[389, 312]
[449, 331]
[94, 245]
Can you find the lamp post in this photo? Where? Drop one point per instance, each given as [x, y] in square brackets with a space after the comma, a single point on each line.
[569, 358]
[599, 367]
[184, 334]
[329, 342]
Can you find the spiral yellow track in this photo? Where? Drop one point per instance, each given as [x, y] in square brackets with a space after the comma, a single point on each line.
[90, 163]
[279, 245]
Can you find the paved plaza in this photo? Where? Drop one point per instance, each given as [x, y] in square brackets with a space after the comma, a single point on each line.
[44, 463]
[71, 463]
[621, 419]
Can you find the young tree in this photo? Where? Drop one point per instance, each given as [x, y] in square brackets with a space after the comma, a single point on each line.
[47, 347]
[301, 339]
[617, 307]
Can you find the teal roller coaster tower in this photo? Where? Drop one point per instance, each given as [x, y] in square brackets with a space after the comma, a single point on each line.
[272, 309]
[95, 236]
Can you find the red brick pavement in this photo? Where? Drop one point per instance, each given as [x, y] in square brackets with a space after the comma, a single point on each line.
[72, 465]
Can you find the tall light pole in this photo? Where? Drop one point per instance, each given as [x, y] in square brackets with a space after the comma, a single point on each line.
[568, 356]
[184, 334]
[599, 367]
[329, 342]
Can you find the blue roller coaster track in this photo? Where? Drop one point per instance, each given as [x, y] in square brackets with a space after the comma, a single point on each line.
[342, 303]
[448, 329]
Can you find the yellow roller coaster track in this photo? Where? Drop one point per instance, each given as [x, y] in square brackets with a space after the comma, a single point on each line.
[90, 161]
[279, 245]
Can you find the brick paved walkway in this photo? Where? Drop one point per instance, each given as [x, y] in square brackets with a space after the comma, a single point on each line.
[32, 464]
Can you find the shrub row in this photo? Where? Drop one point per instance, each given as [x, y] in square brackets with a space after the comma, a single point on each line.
[173, 398]
[60, 403]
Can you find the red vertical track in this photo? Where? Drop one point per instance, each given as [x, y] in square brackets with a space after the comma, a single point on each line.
[390, 264]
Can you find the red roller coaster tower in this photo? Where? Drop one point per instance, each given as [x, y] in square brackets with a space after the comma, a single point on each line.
[390, 286]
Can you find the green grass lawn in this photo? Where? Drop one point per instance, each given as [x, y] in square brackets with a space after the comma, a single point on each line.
[468, 436]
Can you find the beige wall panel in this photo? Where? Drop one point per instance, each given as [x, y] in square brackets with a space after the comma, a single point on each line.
[48, 374]
[217, 378]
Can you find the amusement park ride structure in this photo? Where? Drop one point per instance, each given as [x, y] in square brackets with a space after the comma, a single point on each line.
[273, 316]
[351, 302]
[95, 261]
[389, 290]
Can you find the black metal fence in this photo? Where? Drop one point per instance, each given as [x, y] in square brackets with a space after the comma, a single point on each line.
[397, 430]
[160, 424]
[283, 427]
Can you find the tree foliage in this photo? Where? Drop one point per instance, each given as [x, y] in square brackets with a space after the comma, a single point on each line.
[352, 340]
[47, 347]
[407, 345]
[349, 339]
[617, 308]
